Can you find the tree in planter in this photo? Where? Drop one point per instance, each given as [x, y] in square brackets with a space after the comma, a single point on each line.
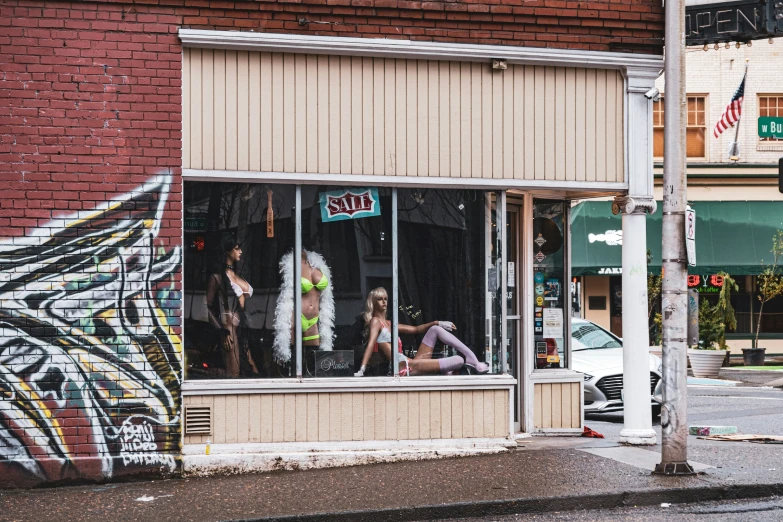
[711, 326]
[769, 284]
[726, 311]
[654, 287]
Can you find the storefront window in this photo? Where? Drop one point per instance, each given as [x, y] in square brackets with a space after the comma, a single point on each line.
[241, 292]
[347, 239]
[448, 294]
[235, 236]
[549, 284]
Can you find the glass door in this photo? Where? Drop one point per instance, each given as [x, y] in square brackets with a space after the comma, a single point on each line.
[513, 295]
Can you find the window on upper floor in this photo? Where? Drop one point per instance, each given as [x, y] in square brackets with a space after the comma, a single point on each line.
[696, 129]
[770, 106]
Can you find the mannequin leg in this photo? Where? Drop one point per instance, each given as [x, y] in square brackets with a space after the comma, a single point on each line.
[438, 333]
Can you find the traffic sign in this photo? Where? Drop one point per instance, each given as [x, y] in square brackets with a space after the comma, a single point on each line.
[770, 127]
[690, 235]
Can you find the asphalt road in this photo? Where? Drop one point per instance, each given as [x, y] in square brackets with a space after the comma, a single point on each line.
[761, 510]
[752, 409]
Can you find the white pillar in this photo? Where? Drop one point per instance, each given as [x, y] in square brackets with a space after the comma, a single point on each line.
[640, 201]
[637, 418]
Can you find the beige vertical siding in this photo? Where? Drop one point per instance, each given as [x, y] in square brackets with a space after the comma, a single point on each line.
[557, 405]
[359, 416]
[351, 115]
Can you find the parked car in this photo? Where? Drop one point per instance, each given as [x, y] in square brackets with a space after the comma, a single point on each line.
[598, 354]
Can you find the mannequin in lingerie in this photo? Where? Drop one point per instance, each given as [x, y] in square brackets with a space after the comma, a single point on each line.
[226, 294]
[379, 340]
[313, 283]
[317, 318]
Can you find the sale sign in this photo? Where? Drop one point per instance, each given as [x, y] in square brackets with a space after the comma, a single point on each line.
[353, 203]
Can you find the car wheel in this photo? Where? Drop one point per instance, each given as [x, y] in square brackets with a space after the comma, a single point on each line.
[656, 411]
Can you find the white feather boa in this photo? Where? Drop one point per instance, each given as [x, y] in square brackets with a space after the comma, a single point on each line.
[284, 311]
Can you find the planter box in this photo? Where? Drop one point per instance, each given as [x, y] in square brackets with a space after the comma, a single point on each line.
[706, 364]
[753, 356]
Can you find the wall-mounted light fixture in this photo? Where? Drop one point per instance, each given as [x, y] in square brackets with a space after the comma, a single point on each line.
[499, 65]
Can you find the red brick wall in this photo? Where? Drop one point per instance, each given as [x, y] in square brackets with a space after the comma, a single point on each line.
[90, 226]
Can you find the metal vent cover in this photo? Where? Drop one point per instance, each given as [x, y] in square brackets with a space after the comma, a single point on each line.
[198, 420]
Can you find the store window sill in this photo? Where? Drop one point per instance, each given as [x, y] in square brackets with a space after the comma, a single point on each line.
[556, 375]
[347, 384]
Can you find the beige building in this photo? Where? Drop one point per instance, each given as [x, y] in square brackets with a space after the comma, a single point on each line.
[440, 173]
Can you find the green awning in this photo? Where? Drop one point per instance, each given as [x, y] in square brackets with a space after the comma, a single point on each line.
[731, 236]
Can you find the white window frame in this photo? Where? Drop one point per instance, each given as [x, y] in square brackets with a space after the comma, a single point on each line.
[299, 382]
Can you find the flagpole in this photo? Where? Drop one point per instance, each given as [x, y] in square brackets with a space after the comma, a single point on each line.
[734, 151]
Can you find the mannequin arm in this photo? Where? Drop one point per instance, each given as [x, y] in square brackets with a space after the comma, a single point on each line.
[212, 292]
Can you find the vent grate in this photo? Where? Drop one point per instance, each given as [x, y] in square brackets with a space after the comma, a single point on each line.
[198, 420]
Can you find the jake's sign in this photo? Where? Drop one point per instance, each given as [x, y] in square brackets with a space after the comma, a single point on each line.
[353, 203]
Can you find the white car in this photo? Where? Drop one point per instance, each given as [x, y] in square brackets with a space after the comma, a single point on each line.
[599, 355]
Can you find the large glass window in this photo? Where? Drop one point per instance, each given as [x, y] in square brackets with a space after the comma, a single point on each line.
[241, 282]
[448, 282]
[549, 283]
[235, 236]
[347, 239]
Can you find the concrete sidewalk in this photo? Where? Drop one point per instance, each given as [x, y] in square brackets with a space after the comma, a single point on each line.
[542, 474]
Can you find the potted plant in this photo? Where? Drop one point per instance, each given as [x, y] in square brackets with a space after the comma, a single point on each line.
[726, 311]
[769, 285]
[705, 358]
[654, 317]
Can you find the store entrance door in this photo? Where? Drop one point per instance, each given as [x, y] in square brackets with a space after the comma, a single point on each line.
[513, 292]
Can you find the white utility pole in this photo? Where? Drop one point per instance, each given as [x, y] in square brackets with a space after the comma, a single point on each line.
[674, 297]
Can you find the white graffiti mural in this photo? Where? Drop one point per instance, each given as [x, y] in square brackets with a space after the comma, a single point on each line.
[90, 366]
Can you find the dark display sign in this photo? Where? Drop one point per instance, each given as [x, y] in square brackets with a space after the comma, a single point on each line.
[740, 21]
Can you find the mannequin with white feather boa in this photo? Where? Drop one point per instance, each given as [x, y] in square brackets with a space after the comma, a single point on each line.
[318, 312]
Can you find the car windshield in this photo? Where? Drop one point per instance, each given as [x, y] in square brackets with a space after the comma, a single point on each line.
[588, 336]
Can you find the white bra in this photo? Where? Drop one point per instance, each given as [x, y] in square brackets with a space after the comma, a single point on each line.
[384, 336]
[238, 290]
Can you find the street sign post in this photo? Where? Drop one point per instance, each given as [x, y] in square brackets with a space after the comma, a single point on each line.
[693, 317]
[780, 175]
[690, 235]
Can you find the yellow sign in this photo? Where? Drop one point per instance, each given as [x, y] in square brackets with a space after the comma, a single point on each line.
[539, 300]
[553, 358]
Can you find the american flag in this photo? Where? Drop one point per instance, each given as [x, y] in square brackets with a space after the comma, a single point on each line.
[733, 110]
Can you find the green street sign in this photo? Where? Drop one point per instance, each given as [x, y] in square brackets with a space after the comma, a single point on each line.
[771, 127]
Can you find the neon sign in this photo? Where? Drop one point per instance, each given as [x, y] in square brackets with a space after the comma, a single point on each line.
[706, 283]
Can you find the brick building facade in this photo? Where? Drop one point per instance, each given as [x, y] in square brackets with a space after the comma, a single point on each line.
[91, 201]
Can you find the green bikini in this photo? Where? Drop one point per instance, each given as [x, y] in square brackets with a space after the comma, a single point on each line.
[307, 286]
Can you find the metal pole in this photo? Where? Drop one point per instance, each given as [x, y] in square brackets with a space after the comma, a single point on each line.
[297, 278]
[501, 221]
[734, 150]
[674, 428]
[395, 302]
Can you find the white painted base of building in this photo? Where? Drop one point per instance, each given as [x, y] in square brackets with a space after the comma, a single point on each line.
[638, 437]
[227, 459]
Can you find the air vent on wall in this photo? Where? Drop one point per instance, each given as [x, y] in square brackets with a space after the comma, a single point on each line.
[198, 420]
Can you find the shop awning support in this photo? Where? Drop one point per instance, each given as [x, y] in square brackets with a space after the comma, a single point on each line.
[637, 428]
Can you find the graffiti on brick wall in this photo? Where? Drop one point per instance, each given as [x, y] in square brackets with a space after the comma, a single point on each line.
[90, 367]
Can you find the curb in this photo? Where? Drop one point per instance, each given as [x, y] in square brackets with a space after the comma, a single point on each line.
[539, 505]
